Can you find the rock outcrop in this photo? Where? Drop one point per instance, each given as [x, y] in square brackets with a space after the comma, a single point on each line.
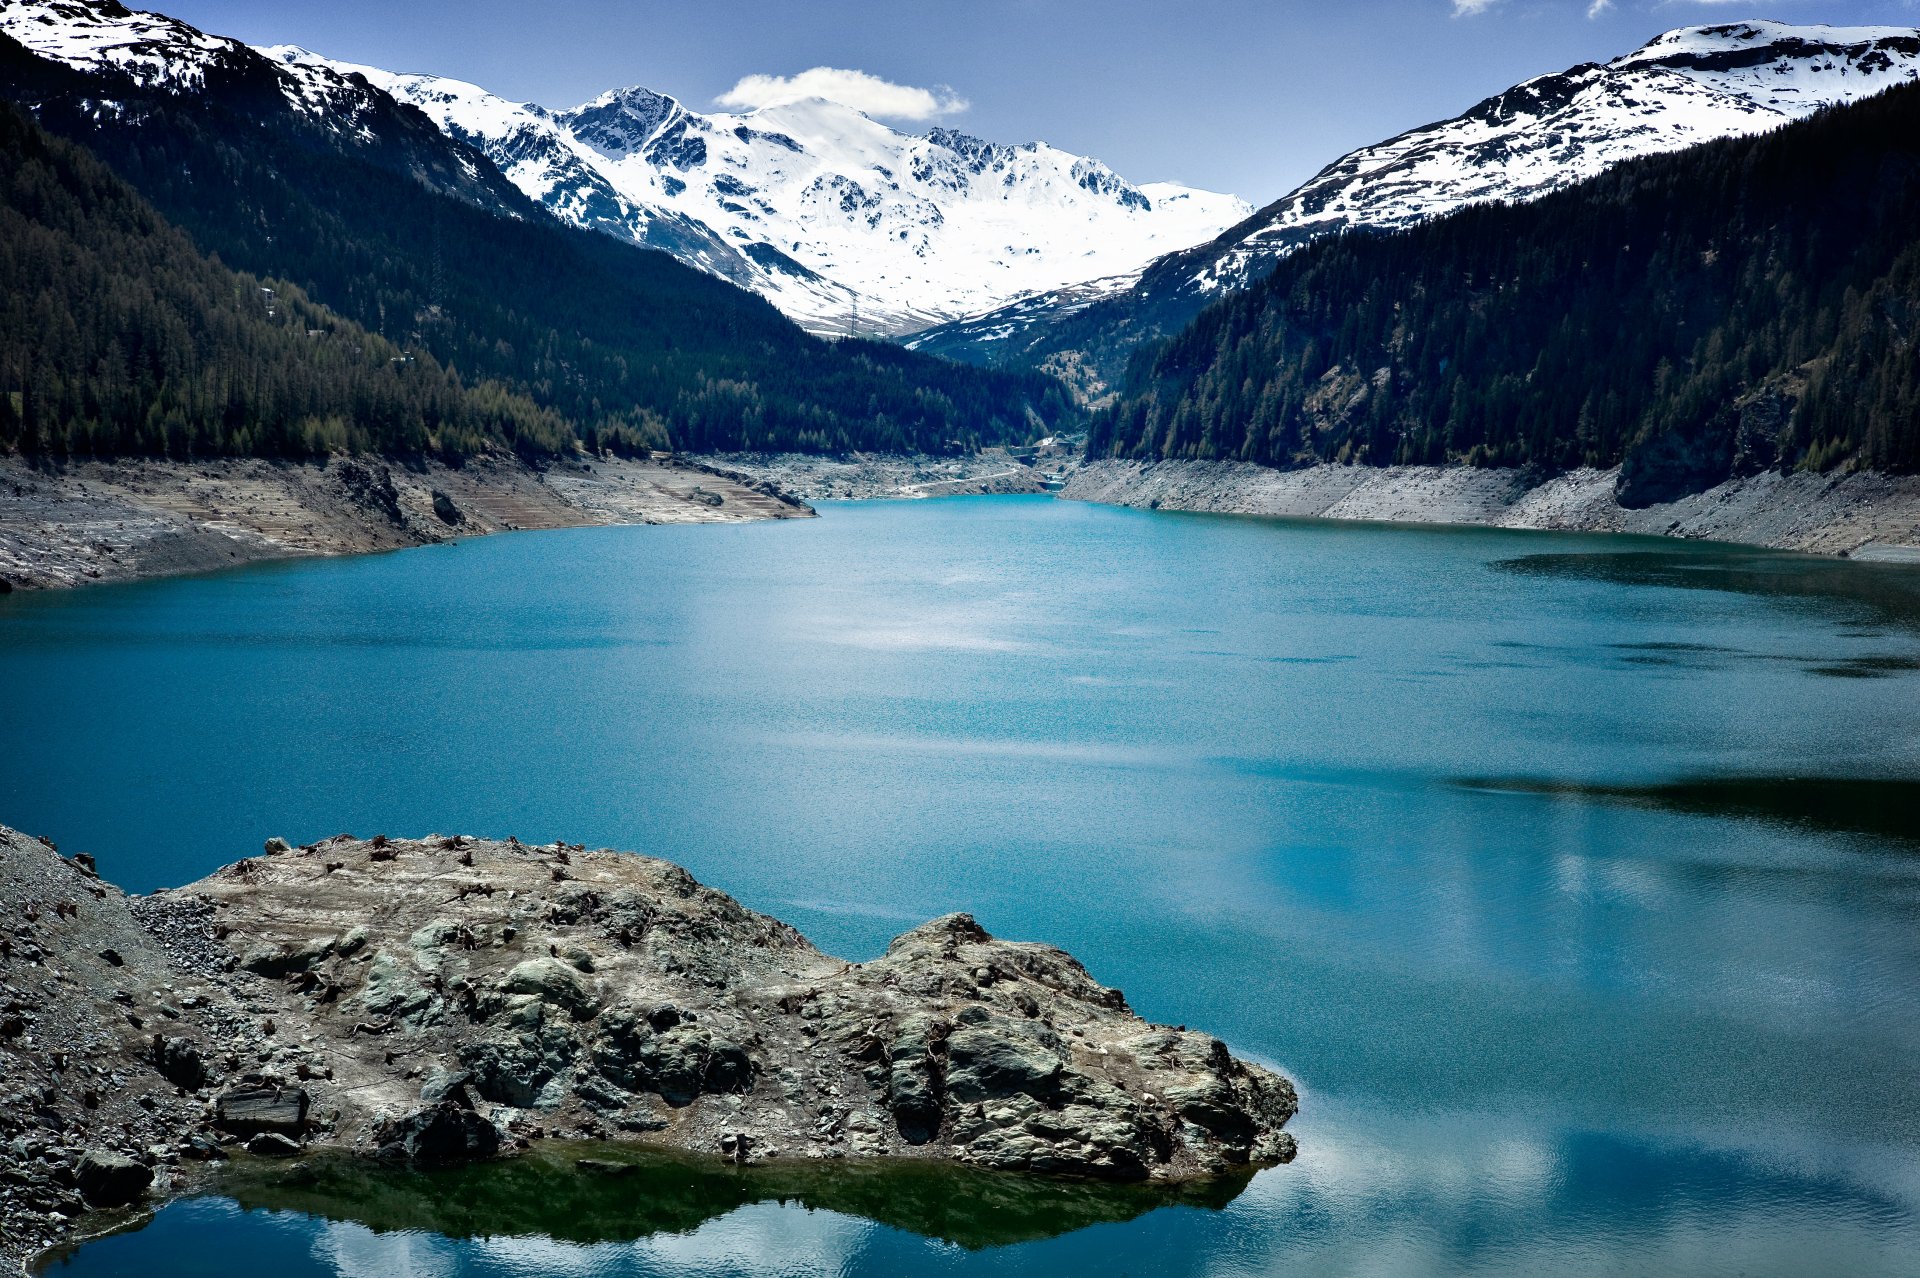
[447, 999]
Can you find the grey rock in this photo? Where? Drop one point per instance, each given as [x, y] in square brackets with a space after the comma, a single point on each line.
[178, 1061]
[445, 1132]
[553, 982]
[273, 1145]
[250, 1111]
[107, 1179]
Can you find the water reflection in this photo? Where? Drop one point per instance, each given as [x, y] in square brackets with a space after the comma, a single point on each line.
[1888, 594]
[1884, 808]
[1450, 1193]
[591, 1194]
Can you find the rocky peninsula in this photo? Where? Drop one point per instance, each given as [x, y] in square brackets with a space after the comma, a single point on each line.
[454, 999]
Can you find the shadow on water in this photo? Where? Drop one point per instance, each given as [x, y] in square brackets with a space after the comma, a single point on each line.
[625, 1194]
[1886, 808]
[1888, 594]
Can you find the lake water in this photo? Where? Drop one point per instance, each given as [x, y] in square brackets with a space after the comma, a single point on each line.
[1576, 880]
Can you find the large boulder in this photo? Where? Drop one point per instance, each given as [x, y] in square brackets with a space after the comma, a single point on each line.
[996, 1057]
[107, 1179]
[554, 983]
[253, 1110]
[178, 1061]
[445, 1129]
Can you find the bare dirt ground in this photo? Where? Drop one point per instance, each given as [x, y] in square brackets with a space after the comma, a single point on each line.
[108, 520]
[1864, 515]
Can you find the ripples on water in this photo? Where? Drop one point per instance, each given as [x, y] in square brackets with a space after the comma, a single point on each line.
[1574, 878]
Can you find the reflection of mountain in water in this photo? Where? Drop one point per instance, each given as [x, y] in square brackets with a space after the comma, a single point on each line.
[1884, 594]
[1886, 807]
[624, 1194]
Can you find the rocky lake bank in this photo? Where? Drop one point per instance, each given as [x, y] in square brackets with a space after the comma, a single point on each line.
[1860, 515]
[450, 999]
[89, 520]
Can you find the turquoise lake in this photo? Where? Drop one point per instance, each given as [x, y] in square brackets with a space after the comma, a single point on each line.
[1576, 880]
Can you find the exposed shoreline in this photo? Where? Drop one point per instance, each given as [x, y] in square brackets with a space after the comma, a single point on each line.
[885, 476]
[1860, 516]
[452, 999]
[102, 520]
[92, 520]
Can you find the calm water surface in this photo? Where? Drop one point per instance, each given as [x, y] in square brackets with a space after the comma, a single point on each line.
[1577, 880]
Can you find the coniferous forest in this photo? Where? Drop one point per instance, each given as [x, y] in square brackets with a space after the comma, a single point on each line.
[117, 336]
[528, 332]
[1749, 304]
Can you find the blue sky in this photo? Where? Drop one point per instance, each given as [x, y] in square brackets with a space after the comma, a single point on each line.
[1249, 96]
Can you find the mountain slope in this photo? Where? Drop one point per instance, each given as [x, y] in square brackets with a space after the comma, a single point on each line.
[814, 205]
[117, 336]
[1686, 87]
[419, 238]
[1752, 303]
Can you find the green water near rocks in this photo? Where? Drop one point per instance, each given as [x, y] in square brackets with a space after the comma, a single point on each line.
[1575, 879]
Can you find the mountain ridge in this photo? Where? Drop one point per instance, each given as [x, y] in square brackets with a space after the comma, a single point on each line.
[1742, 307]
[1686, 86]
[816, 206]
[419, 239]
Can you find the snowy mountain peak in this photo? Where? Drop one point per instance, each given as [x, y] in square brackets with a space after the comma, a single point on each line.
[818, 207]
[621, 122]
[1682, 88]
[1685, 87]
[1733, 43]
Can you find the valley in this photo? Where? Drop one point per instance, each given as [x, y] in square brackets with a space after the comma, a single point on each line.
[1501, 827]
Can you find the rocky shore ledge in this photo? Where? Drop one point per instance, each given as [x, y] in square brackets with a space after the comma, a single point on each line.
[1861, 515]
[85, 520]
[451, 998]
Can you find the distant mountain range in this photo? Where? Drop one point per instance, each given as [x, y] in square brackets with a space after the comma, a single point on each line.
[1751, 304]
[840, 221]
[304, 176]
[1684, 88]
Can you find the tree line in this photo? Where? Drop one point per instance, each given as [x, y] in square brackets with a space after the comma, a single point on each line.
[1748, 304]
[543, 332]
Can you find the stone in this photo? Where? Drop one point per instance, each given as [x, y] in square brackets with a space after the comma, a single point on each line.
[275, 961]
[107, 1179]
[178, 1061]
[448, 1131]
[273, 1145]
[428, 976]
[1000, 1058]
[250, 1111]
[554, 982]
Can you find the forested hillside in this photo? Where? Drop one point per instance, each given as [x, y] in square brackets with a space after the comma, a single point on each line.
[626, 346]
[1747, 304]
[117, 336]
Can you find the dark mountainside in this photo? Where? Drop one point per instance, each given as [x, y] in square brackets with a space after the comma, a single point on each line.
[118, 336]
[419, 239]
[1745, 305]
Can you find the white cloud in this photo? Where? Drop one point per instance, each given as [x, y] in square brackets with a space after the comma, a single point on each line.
[857, 89]
[1467, 8]
[1598, 7]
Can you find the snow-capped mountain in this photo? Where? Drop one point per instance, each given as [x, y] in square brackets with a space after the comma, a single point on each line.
[815, 205]
[1686, 87]
[131, 51]
[1683, 88]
